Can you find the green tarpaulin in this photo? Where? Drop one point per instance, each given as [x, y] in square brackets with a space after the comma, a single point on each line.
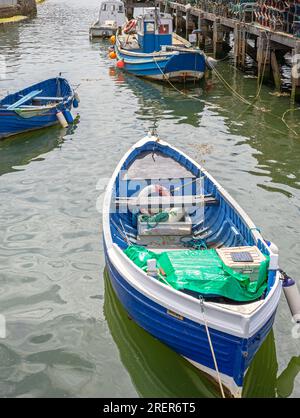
[202, 271]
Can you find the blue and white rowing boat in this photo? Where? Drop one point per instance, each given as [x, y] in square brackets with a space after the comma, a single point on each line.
[155, 52]
[189, 308]
[38, 106]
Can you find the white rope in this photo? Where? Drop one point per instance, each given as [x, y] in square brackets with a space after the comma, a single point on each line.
[211, 347]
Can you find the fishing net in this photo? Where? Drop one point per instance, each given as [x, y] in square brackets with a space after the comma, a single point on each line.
[203, 272]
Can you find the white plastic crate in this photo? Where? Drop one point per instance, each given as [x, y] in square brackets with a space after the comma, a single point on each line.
[249, 268]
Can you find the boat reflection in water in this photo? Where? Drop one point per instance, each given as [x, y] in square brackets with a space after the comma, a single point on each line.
[157, 371]
[20, 150]
[160, 101]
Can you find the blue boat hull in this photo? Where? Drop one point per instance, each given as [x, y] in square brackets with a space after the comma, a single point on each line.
[186, 337]
[13, 123]
[183, 66]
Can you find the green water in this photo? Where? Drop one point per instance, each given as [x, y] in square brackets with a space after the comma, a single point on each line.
[67, 335]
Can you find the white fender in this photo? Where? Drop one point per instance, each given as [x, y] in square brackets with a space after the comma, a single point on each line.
[62, 119]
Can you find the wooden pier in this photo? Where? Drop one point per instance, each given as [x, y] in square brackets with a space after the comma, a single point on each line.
[266, 47]
[11, 8]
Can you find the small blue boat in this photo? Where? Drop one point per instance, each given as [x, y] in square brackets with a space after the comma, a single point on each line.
[155, 52]
[187, 263]
[38, 106]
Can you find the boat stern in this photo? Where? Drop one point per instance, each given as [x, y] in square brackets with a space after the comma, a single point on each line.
[185, 66]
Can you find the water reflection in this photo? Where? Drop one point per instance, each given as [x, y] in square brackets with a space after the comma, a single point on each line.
[160, 101]
[275, 144]
[157, 371]
[20, 150]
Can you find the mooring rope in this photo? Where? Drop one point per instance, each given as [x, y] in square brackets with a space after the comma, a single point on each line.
[211, 347]
[235, 93]
[283, 117]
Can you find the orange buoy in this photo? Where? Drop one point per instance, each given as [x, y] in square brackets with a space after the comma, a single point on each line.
[112, 55]
[112, 39]
[120, 64]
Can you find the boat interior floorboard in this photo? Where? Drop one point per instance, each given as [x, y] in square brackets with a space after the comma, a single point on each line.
[156, 166]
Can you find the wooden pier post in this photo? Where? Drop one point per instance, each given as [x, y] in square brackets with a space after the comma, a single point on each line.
[240, 46]
[276, 71]
[167, 8]
[263, 57]
[204, 26]
[218, 35]
[295, 74]
[187, 18]
[176, 20]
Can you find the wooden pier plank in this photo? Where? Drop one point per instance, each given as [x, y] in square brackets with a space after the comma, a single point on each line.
[252, 28]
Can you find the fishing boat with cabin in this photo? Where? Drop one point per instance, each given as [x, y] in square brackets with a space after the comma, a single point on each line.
[147, 47]
[41, 105]
[187, 263]
[111, 17]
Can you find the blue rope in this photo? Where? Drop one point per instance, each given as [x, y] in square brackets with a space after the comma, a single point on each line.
[195, 243]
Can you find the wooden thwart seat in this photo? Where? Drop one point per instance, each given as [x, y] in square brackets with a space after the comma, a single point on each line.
[24, 99]
[49, 99]
[166, 201]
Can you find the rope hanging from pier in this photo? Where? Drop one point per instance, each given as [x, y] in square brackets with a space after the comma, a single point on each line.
[236, 94]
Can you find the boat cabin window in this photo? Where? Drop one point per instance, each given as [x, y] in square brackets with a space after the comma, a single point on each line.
[163, 29]
[149, 27]
[120, 10]
[112, 8]
[104, 7]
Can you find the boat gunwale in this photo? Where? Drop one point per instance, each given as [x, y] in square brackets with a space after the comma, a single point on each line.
[32, 86]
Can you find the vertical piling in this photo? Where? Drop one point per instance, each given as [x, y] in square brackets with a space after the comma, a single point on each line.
[263, 57]
[203, 25]
[276, 71]
[218, 36]
[240, 46]
[295, 74]
[187, 18]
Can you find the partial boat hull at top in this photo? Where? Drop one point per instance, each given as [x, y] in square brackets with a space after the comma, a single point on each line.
[36, 107]
[177, 317]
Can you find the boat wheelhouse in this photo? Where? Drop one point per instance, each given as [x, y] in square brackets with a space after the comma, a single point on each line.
[111, 17]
